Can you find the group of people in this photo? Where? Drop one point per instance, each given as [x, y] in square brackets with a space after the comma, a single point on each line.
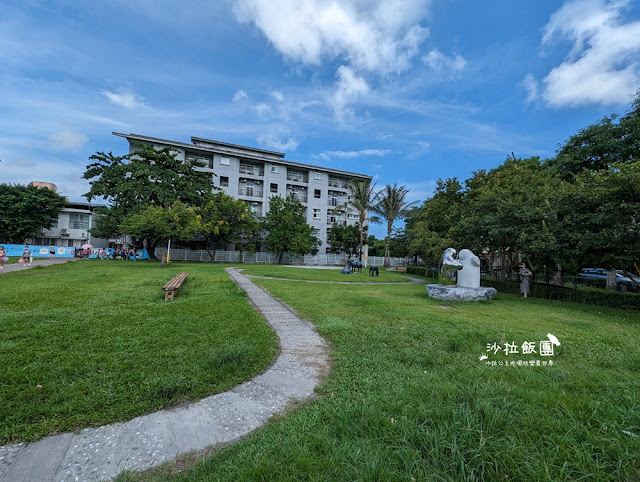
[126, 254]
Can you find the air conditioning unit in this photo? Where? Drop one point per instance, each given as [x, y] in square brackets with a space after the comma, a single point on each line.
[255, 203]
[64, 231]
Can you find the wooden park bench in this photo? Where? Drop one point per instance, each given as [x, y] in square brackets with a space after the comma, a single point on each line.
[173, 285]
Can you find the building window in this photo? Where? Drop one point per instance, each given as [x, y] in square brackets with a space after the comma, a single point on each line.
[204, 160]
[295, 175]
[337, 182]
[250, 168]
[318, 176]
[275, 169]
[316, 214]
[224, 161]
[224, 181]
[54, 223]
[78, 221]
[273, 189]
[317, 194]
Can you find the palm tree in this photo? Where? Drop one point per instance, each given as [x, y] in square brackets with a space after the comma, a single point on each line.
[363, 199]
[391, 206]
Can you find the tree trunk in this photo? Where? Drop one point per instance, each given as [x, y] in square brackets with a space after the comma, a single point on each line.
[612, 283]
[280, 256]
[151, 248]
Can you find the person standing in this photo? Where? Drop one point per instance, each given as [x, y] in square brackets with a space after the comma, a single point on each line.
[26, 256]
[52, 252]
[3, 255]
[525, 284]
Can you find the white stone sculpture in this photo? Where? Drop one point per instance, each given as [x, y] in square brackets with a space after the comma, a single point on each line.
[467, 268]
[469, 275]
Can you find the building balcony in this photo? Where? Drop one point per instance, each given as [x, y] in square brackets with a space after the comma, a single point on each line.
[338, 183]
[253, 171]
[297, 178]
[300, 197]
[335, 203]
[251, 192]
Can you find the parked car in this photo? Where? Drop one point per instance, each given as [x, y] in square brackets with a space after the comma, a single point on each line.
[601, 274]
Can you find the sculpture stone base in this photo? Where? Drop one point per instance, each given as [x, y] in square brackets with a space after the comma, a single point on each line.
[459, 293]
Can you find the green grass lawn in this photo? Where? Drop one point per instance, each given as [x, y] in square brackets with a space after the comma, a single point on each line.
[276, 271]
[93, 342]
[408, 398]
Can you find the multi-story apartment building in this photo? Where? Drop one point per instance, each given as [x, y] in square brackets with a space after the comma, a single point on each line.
[72, 229]
[255, 175]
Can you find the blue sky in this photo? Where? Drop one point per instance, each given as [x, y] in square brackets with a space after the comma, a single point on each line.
[406, 91]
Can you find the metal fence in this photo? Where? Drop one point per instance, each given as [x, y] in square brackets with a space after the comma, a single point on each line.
[544, 275]
[266, 258]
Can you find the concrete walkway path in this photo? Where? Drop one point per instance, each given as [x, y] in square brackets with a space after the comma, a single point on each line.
[36, 262]
[101, 453]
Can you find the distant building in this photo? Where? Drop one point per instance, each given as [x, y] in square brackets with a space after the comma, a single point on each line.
[72, 228]
[254, 175]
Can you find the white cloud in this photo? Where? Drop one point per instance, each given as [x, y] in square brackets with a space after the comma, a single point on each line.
[327, 155]
[276, 94]
[365, 37]
[531, 86]
[240, 95]
[126, 98]
[263, 109]
[350, 87]
[602, 67]
[371, 35]
[447, 66]
[68, 139]
[279, 139]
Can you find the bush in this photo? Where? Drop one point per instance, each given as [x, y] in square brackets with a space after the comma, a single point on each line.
[419, 270]
[611, 299]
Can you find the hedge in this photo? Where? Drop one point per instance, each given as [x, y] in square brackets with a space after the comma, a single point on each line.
[610, 299]
[422, 271]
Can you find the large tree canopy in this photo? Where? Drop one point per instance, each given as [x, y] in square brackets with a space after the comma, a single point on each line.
[226, 220]
[600, 146]
[25, 210]
[345, 239]
[147, 177]
[287, 228]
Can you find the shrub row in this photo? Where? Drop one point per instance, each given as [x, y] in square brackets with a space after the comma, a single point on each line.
[610, 299]
[422, 271]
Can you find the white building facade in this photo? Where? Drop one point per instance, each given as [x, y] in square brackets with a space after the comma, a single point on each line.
[254, 175]
[72, 229]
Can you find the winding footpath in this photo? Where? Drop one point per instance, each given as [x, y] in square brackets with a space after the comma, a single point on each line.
[102, 453]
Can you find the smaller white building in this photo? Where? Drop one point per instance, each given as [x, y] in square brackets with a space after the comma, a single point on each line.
[72, 228]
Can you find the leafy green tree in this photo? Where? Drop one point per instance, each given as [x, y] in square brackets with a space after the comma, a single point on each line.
[147, 177]
[399, 245]
[287, 229]
[391, 205]
[158, 223]
[376, 246]
[611, 141]
[25, 210]
[345, 239]
[601, 218]
[226, 220]
[510, 212]
[363, 199]
[431, 225]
